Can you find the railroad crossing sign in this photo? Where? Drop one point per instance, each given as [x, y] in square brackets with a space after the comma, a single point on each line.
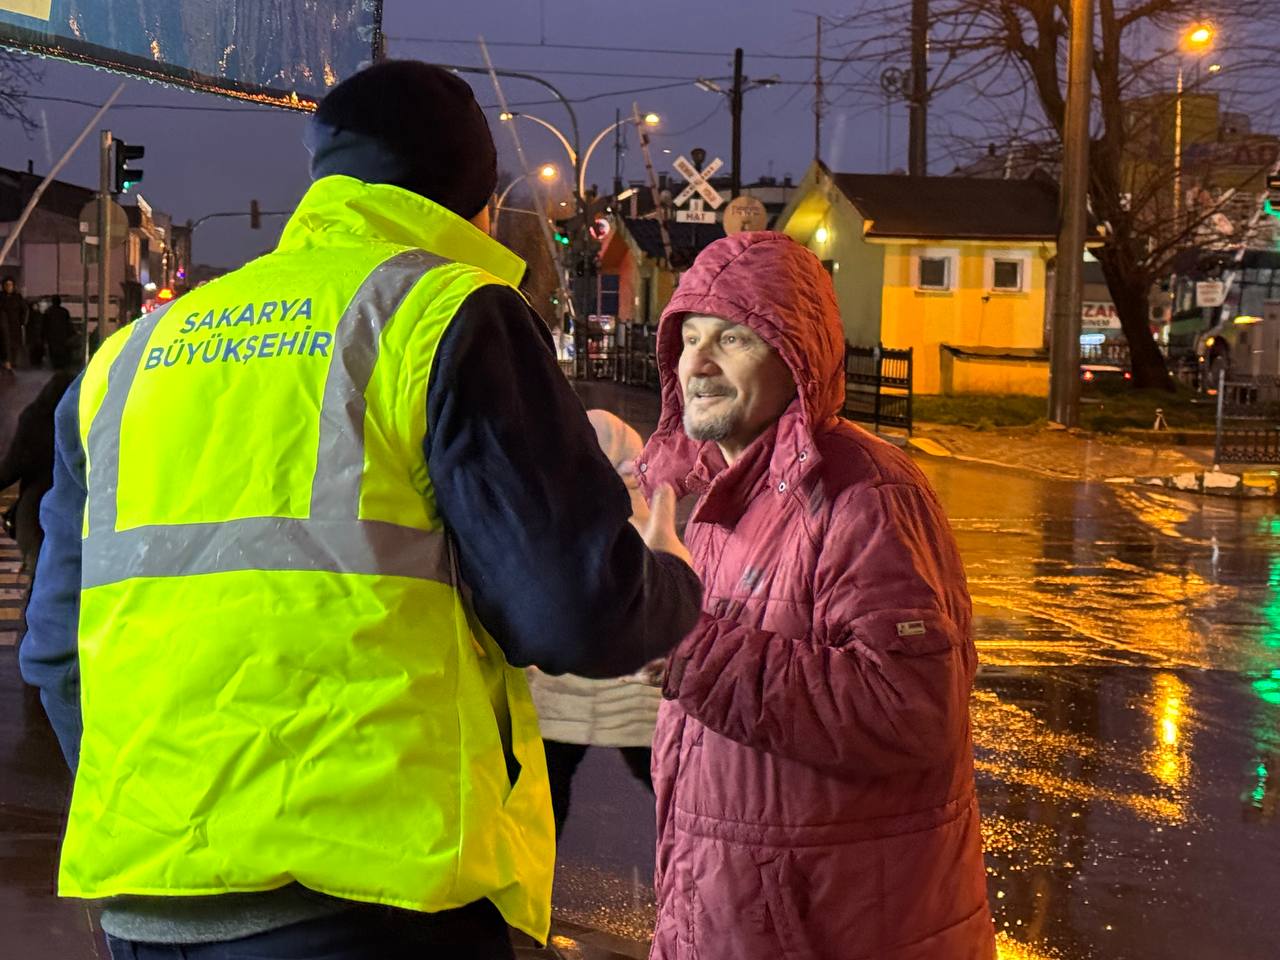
[698, 182]
[695, 213]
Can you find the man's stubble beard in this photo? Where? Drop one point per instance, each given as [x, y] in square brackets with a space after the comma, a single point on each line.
[715, 427]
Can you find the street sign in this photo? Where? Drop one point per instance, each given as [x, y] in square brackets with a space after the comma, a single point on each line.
[698, 182]
[695, 214]
[745, 214]
[1210, 293]
[117, 222]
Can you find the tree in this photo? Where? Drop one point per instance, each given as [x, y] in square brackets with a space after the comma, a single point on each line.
[1012, 54]
[17, 72]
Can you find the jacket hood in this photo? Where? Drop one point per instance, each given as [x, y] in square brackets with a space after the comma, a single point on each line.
[777, 288]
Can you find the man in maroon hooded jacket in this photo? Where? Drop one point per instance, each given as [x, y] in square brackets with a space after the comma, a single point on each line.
[813, 760]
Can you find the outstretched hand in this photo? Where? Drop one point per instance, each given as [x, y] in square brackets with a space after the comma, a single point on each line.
[656, 522]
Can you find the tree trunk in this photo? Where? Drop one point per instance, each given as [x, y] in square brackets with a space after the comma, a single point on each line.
[1130, 288]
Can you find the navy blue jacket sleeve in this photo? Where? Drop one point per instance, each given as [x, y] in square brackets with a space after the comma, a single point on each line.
[48, 656]
[558, 576]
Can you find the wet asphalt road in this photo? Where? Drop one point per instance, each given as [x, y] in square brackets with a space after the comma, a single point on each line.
[1126, 721]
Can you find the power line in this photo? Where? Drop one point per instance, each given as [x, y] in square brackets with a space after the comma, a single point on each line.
[151, 106]
[594, 96]
[612, 73]
[757, 55]
[689, 129]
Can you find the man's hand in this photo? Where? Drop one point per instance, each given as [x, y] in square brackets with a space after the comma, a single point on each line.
[627, 471]
[656, 522]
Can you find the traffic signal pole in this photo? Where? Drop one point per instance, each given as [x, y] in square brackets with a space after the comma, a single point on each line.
[104, 234]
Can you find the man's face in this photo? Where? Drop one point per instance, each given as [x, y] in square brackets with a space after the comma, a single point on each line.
[734, 384]
[9, 286]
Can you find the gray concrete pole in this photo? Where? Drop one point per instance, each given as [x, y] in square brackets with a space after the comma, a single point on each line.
[1064, 374]
[104, 234]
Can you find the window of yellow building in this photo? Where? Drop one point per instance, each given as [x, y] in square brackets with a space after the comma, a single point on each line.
[1008, 271]
[935, 270]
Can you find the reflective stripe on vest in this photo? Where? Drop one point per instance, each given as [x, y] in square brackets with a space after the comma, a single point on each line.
[333, 539]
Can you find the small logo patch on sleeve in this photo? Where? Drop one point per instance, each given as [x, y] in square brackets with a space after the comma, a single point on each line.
[911, 628]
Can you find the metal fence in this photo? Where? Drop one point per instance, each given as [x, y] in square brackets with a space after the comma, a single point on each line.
[637, 354]
[1248, 428]
[877, 386]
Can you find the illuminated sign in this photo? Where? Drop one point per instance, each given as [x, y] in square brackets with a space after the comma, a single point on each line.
[290, 54]
[1099, 315]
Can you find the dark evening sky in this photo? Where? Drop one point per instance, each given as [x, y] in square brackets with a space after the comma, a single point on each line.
[213, 154]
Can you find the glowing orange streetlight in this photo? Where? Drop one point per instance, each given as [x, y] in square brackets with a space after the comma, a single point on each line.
[1195, 40]
[1198, 37]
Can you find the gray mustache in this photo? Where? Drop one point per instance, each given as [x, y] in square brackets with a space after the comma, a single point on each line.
[708, 385]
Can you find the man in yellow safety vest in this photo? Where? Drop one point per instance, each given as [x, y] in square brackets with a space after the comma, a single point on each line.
[308, 522]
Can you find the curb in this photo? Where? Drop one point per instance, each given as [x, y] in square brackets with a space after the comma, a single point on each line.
[1249, 485]
[932, 448]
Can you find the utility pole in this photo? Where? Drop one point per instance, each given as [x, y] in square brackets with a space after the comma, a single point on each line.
[735, 104]
[104, 234]
[1064, 374]
[617, 154]
[918, 150]
[819, 105]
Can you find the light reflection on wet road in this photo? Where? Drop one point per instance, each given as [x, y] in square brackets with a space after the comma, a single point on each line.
[1126, 723]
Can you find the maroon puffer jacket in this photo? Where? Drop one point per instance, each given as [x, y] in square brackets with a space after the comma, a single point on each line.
[813, 761]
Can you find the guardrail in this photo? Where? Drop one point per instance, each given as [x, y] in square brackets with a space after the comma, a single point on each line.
[1248, 427]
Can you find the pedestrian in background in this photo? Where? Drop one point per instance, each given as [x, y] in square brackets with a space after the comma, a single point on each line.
[33, 332]
[813, 760]
[294, 569]
[575, 713]
[59, 334]
[29, 463]
[13, 318]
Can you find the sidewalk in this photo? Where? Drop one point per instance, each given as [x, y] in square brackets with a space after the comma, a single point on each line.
[1058, 454]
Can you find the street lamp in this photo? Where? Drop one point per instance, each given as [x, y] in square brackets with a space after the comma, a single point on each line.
[564, 141]
[649, 120]
[547, 173]
[740, 86]
[1195, 41]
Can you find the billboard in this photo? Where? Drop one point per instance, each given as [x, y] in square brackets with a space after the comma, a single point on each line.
[285, 52]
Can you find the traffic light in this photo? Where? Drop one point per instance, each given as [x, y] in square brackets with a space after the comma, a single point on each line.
[125, 178]
[562, 236]
[1272, 204]
[255, 215]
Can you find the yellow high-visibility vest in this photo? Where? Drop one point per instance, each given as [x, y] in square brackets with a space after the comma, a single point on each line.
[281, 680]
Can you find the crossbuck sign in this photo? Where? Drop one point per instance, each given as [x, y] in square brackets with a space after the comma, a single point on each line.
[698, 183]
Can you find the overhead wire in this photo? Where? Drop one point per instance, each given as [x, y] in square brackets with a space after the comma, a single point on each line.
[607, 48]
[689, 129]
[44, 98]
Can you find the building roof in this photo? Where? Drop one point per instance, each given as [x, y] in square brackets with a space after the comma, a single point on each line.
[687, 239]
[16, 187]
[953, 208]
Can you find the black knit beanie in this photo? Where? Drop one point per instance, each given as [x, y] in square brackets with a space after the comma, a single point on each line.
[411, 125]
